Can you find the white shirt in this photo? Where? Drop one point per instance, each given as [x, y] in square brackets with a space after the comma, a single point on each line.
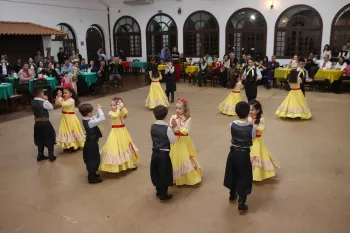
[258, 73]
[95, 120]
[345, 54]
[325, 66]
[329, 53]
[341, 67]
[47, 105]
[169, 133]
[170, 69]
[306, 74]
[4, 69]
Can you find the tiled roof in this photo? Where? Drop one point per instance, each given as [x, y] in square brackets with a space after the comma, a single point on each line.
[25, 28]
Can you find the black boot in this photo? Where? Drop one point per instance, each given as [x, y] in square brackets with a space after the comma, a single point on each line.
[242, 207]
[52, 156]
[41, 155]
[233, 195]
[158, 193]
[93, 179]
[172, 97]
[164, 194]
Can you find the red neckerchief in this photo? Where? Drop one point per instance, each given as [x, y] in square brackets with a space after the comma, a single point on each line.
[27, 74]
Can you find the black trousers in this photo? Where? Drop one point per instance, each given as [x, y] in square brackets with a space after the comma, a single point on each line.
[238, 174]
[251, 90]
[202, 77]
[44, 136]
[91, 155]
[161, 171]
[223, 78]
[302, 88]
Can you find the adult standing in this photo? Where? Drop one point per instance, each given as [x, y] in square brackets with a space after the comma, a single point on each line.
[61, 56]
[327, 50]
[38, 58]
[113, 73]
[175, 56]
[18, 65]
[79, 55]
[5, 67]
[100, 55]
[165, 54]
[273, 64]
[251, 75]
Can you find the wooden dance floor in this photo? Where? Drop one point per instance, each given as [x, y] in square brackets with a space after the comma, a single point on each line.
[310, 194]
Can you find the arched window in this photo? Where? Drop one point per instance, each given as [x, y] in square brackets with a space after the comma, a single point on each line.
[340, 33]
[69, 41]
[94, 40]
[127, 37]
[298, 31]
[201, 34]
[161, 31]
[246, 33]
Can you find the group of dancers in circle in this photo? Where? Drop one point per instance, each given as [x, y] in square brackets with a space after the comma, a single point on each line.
[174, 157]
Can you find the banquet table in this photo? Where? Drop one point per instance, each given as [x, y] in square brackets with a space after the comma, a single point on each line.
[51, 82]
[6, 90]
[89, 78]
[161, 67]
[282, 73]
[125, 65]
[191, 70]
[331, 75]
[138, 64]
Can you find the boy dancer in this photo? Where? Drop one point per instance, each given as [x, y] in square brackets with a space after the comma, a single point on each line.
[44, 133]
[303, 74]
[161, 167]
[238, 173]
[170, 81]
[251, 75]
[91, 152]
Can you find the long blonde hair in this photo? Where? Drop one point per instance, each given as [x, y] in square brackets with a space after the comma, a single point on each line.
[186, 107]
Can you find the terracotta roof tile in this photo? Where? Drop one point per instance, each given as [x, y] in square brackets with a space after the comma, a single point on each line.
[25, 28]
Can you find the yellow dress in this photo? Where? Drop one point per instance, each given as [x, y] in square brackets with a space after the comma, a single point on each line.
[294, 105]
[119, 153]
[184, 158]
[263, 162]
[228, 106]
[70, 133]
[156, 94]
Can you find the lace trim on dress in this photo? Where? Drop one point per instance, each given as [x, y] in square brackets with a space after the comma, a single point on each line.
[190, 165]
[118, 159]
[266, 165]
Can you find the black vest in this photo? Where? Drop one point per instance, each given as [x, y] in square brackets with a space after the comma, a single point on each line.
[91, 133]
[159, 137]
[251, 78]
[38, 109]
[241, 135]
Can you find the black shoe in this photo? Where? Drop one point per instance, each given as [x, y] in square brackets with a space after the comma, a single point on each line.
[172, 101]
[53, 158]
[95, 181]
[98, 175]
[134, 168]
[166, 197]
[41, 158]
[233, 197]
[242, 208]
[158, 194]
[67, 150]
[73, 150]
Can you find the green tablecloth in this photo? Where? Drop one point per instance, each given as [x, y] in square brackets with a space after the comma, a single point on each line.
[11, 80]
[139, 64]
[51, 82]
[89, 78]
[6, 90]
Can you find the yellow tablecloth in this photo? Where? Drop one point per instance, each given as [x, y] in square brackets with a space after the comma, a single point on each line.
[192, 70]
[331, 75]
[282, 73]
[161, 67]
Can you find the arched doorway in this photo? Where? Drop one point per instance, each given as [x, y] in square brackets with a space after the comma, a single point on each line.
[127, 37]
[246, 32]
[94, 40]
[340, 33]
[298, 31]
[69, 40]
[201, 34]
[161, 31]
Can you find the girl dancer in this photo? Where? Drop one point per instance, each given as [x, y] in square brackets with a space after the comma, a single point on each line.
[228, 106]
[119, 153]
[263, 162]
[294, 105]
[156, 94]
[186, 168]
[70, 134]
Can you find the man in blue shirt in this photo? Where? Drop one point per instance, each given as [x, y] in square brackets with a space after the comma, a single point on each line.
[83, 66]
[165, 54]
[67, 67]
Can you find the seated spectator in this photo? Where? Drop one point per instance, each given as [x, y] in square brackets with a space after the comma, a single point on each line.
[202, 72]
[191, 62]
[67, 67]
[225, 66]
[18, 66]
[32, 66]
[208, 58]
[92, 67]
[66, 82]
[101, 56]
[216, 65]
[341, 64]
[58, 69]
[182, 58]
[161, 62]
[273, 64]
[326, 64]
[5, 66]
[337, 85]
[101, 77]
[41, 69]
[83, 66]
[243, 60]
[74, 57]
[38, 58]
[263, 71]
[121, 55]
[345, 53]
[293, 64]
[25, 74]
[51, 72]
[113, 73]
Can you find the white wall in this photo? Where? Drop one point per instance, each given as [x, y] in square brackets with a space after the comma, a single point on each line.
[222, 10]
[78, 14]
